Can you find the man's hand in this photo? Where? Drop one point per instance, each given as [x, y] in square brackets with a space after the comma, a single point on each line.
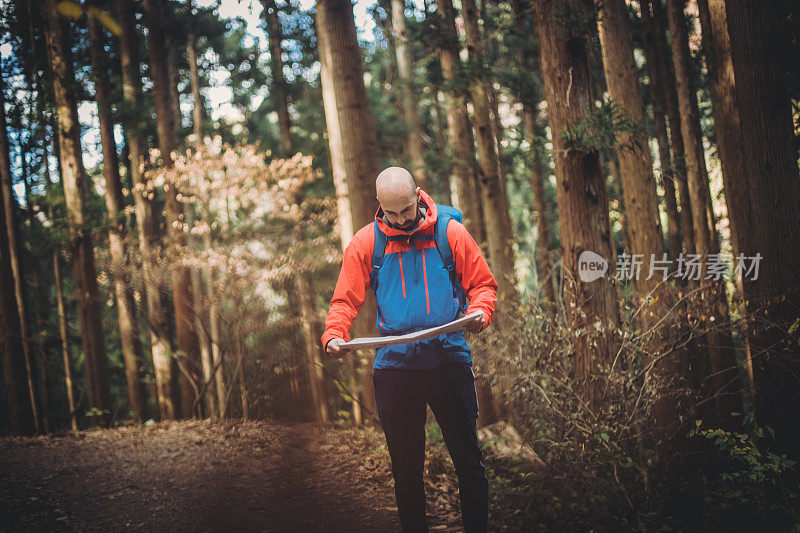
[333, 348]
[475, 326]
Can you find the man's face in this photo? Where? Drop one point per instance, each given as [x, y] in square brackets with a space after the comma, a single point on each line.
[400, 208]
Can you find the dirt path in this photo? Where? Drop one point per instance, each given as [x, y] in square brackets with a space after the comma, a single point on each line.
[194, 476]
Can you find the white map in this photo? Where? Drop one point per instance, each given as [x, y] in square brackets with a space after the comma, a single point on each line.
[390, 340]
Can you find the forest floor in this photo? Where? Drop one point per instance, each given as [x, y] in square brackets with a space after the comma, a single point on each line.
[213, 475]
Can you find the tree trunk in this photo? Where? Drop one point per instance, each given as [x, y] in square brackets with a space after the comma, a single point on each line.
[539, 171]
[582, 198]
[633, 153]
[182, 295]
[351, 135]
[146, 218]
[690, 128]
[244, 398]
[717, 48]
[462, 143]
[120, 267]
[499, 238]
[197, 110]
[770, 163]
[275, 33]
[73, 177]
[12, 238]
[200, 306]
[657, 95]
[641, 206]
[62, 315]
[721, 360]
[667, 74]
[312, 352]
[214, 336]
[15, 359]
[405, 68]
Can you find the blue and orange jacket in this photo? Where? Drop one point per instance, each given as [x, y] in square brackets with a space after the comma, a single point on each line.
[414, 290]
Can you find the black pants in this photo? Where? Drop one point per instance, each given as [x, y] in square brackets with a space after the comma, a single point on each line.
[401, 397]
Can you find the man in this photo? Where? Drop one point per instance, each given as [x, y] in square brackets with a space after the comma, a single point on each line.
[414, 290]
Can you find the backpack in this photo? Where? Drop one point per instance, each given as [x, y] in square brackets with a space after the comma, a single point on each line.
[446, 213]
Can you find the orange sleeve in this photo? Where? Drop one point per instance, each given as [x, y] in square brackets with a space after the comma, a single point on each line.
[476, 278]
[351, 288]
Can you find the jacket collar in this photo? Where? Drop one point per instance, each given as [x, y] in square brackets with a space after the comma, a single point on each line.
[425, 223]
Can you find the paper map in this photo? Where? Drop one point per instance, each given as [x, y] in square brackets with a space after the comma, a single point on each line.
[390, 340]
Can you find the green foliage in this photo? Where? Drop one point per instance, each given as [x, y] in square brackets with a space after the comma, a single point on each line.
[604, 129]
[752, 476]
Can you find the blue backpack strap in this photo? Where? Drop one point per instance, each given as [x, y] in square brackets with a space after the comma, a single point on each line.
[446, 214]
[442, 244]
[377, 256]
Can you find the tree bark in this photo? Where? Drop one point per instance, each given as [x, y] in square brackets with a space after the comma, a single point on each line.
[312, 352]
[667, 74]
[182, 295]
[214, 336]
[643, 220]
[120, 266]
[582, 197]
[499, 237]
[12, 238]
[721, 360]
[15, 359]
[770, 164]
[275, 34]
[73, 176]
[462, 143]
[146, 218]
[197, 110]
[657, 96]
[62, 315]
[405, 69]
[690, 128]
[351, 137]
[523, 25]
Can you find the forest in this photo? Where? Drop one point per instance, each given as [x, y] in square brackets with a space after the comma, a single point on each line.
[180, 179]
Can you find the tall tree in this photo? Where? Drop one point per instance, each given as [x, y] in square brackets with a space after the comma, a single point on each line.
[146, 217]
[667, 71]
[191, 49]
[73, 177]
[497, 222]
[770, 164]
[275, 34]
[182, 296]
[15, 367]
[10, 222]
[405, 69]
[462, 143]
[523, 25]
[721, 360]
[656, 88]
[581, 190]
[351, 134]
[302, 286]
[633, 153]
[69, 381]
[199, 288]
[120, 265]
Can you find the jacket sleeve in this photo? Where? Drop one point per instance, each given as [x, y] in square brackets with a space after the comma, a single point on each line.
[351, 288]
[476, 278]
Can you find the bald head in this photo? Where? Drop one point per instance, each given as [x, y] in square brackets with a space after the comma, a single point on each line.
[394, 180]
[397, 194]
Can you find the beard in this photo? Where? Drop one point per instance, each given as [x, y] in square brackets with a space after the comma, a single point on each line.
[408, 226]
